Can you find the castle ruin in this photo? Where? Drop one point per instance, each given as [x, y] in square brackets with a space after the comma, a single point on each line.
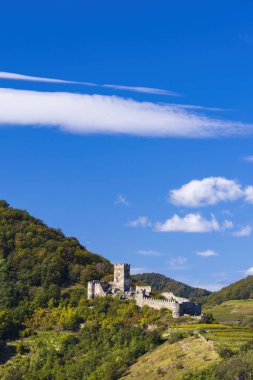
[141, 294]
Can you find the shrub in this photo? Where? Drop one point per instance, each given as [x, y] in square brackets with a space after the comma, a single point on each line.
[175, 336]
[226, 352]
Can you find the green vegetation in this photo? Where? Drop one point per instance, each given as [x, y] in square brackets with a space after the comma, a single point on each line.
[172, 361]
[114, 333]
[222, 336]
[164, 284]
[240, 290]
[236, 366]
[38, 262]
[239, 312]
[198, 351]
[50, 331]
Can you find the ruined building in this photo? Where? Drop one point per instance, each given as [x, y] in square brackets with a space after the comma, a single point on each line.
[141, 294]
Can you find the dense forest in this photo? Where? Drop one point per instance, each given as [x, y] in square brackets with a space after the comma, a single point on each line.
[162, 283]
[37, 262]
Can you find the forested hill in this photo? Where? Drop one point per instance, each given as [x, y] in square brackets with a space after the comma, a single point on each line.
[164, 284]
[240, 290]
[37, 262]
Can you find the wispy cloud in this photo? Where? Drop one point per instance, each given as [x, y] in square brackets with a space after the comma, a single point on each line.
[141, 221]
[248, 158]
[207, 253]
[85, 114]
[144, 90]
[244, 231]
[141, 89]
[122, 200]
[29, 78]
[149, 252]
[178, 263]
[198, 108]
[190, 223]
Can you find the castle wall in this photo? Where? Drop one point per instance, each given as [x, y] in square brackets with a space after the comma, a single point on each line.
[170, 296]
[178, 309]
[146, 290]
[97, 288]
[159, 304]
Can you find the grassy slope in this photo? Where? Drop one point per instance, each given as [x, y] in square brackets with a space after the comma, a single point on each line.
[194, 353]
[232, 312]
[171, 361]
[239, 290]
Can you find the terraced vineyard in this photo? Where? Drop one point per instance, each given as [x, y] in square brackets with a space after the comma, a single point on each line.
[172, 361]
[197, 351]
[234, 312]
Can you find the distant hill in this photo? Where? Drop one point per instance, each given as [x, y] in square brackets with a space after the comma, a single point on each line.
[162, 283]
[239, 290]
[37, 262]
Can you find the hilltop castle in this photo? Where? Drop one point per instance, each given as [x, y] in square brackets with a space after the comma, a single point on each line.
[141, 294]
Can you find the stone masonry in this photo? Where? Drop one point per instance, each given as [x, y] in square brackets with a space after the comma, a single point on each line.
[142, 294]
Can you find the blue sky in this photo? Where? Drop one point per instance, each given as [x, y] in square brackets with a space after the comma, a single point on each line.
[151, 161]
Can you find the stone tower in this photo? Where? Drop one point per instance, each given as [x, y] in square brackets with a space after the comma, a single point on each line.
[122, 277]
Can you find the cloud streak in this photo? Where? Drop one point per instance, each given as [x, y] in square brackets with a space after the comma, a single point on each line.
[86, 114]
[207, 253]
[29, 78]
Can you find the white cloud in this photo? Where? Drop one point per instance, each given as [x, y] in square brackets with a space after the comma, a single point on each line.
[141, 221]
[189, 223]
[207, 191]
[121, 199]
[207, 253]
[178, 263]
[29, 78]
[249, 194]
[244, 231]
[86, 114]
[249, 272]
[149, 252]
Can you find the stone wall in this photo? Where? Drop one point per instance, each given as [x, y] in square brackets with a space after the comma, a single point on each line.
[171, 296]
[178, 309]
[159, 304]
[146, 290]
[97, 288]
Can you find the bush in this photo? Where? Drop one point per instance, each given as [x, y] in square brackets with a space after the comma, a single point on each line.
[176, 336]
[226, 352]
[20, 348]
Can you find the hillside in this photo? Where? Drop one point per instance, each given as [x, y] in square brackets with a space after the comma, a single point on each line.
[38, 262]
[239, 290]
[164, 284]
[233, 312]
[171, 362]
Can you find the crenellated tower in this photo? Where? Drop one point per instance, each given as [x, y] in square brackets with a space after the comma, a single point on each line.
[122, 277]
